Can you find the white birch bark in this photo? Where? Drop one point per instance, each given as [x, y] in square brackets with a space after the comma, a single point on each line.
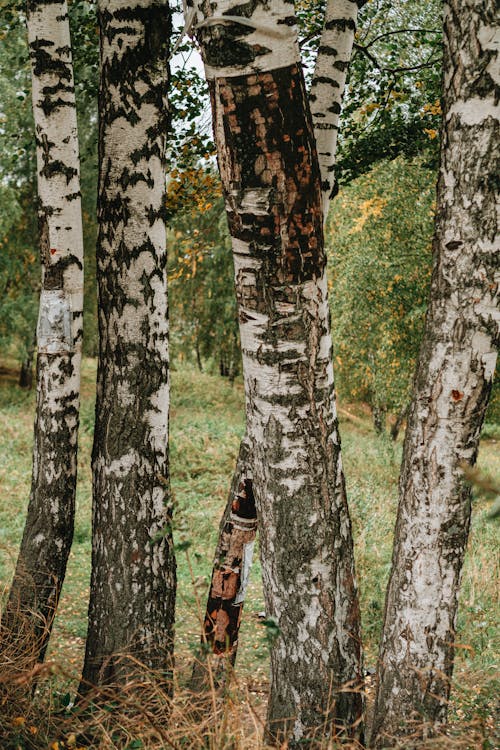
[328, 85]
[49, 525]
[132, 598]
[326, 93]
[272, 186]
[452, 386]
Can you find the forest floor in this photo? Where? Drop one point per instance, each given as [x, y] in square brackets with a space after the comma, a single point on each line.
[207, 422]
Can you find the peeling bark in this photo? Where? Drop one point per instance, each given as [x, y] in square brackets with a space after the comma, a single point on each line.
[48, 532]
[132, 599]
[271, 180]
[326, 93]
[451, 390]
[226, 597]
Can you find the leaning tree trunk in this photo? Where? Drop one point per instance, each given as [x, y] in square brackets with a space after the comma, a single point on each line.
[132, 595]
[328, 84]
[48, 532]
[452, 386]
[327, 89]
[272, 187]
[233, 559]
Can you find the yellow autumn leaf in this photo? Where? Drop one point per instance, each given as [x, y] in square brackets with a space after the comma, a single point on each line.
[19, 721]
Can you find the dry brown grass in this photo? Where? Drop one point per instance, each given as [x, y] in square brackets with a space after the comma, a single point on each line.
[205, 438]
[141, 715]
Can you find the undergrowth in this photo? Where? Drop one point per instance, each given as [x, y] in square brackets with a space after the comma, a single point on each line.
[206, 427]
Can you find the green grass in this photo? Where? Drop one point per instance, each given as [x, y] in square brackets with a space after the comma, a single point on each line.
[207, 423]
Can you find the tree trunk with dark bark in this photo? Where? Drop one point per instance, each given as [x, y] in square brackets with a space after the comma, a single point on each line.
[398, 422]
[451, 390]
[326, 94]
[26, 372]
[132, 598]
[226, 597]
[48, 532]
[272, 187]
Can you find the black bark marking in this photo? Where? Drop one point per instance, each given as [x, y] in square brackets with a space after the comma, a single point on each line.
[131, 609]
[342, 24]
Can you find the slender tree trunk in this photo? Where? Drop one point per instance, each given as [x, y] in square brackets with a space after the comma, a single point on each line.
[400, 418]
[379, 413]
[272, 187]
[452, 386]
[26, 372]
[327, 89]
[198, 354]
[48, 532]
[233, 558]
[328, 84]
[132, 597]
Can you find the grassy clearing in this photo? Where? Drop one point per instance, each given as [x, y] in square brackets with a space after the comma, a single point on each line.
[206, 427]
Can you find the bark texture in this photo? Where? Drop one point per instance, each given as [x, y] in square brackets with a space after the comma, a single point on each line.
[132, 599]
[48, 532]
[328, 84]
[325, 97]
[272, 186]
[233, 559]
[452, 386]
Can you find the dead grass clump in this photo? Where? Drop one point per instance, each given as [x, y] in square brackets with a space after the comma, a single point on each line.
[140, 714]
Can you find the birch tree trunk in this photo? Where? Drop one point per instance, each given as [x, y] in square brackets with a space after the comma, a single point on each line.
[231, 568]
[327, 89]
[132, 598]
[328, 85]
[272, 187]
[48, 532]
[452, 386]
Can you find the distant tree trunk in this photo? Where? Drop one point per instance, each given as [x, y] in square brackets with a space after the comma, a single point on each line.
[26, 372]
[272, 187]
[451, 390]
[48, 532]
[198, 354]
[132, 594]
[379, 414]
[398, 423]
[326, 96]
[223, 368]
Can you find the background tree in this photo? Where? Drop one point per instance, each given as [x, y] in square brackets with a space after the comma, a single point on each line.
[392, 98]
[379, 246]
[48, 531]
[132, 591]
[201, 286]
[19, 271]
[452, 386]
